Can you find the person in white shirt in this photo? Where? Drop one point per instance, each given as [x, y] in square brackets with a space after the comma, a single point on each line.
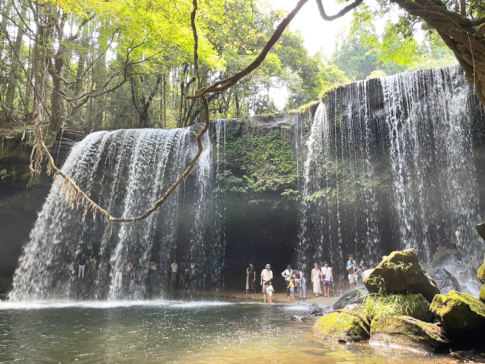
[327, 277]
[174, 269]
[266, 276]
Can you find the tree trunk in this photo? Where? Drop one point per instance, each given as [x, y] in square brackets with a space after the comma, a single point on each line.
[12, 80]
[465, 37]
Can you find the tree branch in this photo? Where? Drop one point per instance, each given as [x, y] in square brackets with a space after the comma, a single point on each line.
[340, 14]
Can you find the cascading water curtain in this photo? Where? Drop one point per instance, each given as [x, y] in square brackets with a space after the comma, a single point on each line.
[125, 171]
[385, 165]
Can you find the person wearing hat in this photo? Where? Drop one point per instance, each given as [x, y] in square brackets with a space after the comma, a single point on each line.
[266, 276]
[287, 276]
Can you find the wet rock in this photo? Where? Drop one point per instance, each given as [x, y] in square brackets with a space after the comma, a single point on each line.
[401, 272]
[406, 332]
[445, 280]
[462, 315]
[342, 326]
[296, 318]
[316, 310]
[350, 298]
[445, 257]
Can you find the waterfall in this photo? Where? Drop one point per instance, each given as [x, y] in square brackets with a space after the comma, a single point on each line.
[125, 171]
[388, 164]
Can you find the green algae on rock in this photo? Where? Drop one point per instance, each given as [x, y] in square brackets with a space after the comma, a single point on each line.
[406, 332]
[481, 273]
[401, 272]
[462, 315]
[481, 296]
[342, 326]
[414, 305]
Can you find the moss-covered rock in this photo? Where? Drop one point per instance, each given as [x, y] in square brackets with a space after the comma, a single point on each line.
[482, 294]
[462, 315]
[481, 273]
[414, 305]
[407, 333]
[343, 326]
[401, 272]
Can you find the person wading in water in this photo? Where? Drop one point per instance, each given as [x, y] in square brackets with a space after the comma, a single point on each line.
[266, 276]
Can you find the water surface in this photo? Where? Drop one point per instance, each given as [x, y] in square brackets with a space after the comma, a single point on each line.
[172, 332]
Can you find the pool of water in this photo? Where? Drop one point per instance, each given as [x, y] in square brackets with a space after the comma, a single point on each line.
[172, 332]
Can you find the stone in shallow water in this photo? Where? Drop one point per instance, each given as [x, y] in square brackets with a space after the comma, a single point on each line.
[343, 326]
[407, 333]
[350, 298]
[402, 273]
[462, 315]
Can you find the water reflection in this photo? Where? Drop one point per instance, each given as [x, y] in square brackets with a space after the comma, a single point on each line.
[170, 332]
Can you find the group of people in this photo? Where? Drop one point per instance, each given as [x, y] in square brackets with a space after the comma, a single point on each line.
[127, 275]
[86, 261]
[321, 279]
[294, 279]
[181, 275]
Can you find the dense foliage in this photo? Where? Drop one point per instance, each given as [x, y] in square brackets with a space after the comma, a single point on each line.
[256, 163]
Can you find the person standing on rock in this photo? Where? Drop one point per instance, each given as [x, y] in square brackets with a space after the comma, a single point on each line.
[316, 277]
[352, 269]
[82, 262]
[327, 277]
[459, 241]
[250, 278]
[269, 291]
[266, 276]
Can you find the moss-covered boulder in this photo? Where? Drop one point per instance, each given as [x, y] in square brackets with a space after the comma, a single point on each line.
[414, 305]
[343, 326]
[481, 297]
[462, 315]
[481, 273]
[401, 272]
[406, 332]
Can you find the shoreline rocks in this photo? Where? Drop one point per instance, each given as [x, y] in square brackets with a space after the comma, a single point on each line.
[343, 326]
[462, 315]
[406, 332]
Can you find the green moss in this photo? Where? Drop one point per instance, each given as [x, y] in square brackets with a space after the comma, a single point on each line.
[257, 163]
[481, 273]
[414, 305]
[482, 294]
[461, 313]
[343, 325]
